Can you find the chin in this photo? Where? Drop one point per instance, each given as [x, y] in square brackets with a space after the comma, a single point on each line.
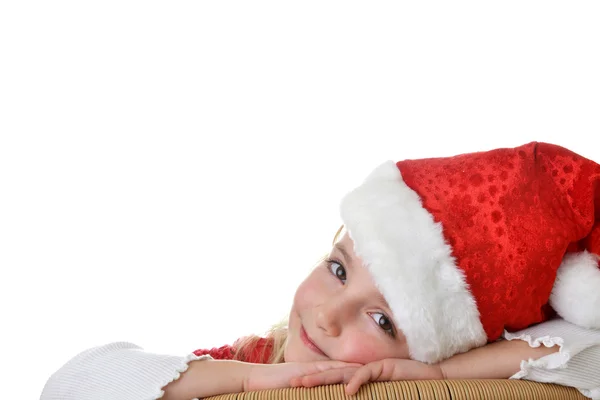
[294, 354]
[296, 351]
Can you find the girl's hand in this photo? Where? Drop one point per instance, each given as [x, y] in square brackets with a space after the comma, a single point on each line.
[277, 376]
[390, 369]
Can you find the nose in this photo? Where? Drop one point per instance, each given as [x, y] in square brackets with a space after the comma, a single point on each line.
[333, 314]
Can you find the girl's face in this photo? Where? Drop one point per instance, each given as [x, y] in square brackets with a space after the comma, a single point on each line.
[339, 314]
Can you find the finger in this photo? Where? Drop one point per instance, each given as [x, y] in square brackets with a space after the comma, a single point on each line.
[329, 377]
[296, 381]
[367, 373]
[321, 368]
[323, 378]
[327, 365]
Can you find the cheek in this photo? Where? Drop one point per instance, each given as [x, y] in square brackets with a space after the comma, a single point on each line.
[310, 291]
[364, 348]
[301, 294]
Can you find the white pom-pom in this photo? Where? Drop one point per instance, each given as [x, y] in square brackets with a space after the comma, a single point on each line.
[576, 292]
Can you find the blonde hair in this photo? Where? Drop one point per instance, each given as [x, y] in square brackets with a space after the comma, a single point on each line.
[250, 344]
[278, 334]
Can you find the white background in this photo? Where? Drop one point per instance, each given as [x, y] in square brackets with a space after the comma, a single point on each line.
[169, 171]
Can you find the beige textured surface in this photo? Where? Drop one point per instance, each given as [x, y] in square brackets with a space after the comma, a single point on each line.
[422, 390]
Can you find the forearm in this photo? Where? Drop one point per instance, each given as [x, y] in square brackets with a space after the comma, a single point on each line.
[208, 378]
[498, 360]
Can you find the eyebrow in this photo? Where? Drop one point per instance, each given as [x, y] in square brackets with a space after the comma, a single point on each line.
[347, 257]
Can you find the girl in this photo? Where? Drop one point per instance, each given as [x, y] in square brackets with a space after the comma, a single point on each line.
[438, 259]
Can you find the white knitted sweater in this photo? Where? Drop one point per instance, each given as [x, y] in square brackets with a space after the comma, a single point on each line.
[122, 371]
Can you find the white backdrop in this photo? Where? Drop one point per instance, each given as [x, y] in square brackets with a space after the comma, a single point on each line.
[169, 171]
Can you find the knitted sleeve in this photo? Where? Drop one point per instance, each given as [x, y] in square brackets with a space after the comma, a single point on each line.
[116, 371]
[576, 364]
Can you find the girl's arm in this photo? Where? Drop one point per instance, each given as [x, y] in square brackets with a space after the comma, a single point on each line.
[208, 378]
[123, 371]
[496, 360]
[554, 352]
[213, 377]
[577, 364]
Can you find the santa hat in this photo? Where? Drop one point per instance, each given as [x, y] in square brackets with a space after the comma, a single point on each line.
[465, 247]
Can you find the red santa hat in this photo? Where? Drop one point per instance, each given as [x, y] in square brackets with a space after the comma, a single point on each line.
[465, 247]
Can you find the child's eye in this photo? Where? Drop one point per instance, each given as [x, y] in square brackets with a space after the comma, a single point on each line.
[384, 323]
[337, 270]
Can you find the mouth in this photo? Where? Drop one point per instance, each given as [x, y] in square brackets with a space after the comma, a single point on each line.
[309, 343]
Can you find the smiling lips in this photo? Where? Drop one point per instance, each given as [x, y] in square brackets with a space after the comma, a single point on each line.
[309, 343]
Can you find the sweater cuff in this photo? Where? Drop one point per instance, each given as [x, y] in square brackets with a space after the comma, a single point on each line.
[575, 364]
[116, 371]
